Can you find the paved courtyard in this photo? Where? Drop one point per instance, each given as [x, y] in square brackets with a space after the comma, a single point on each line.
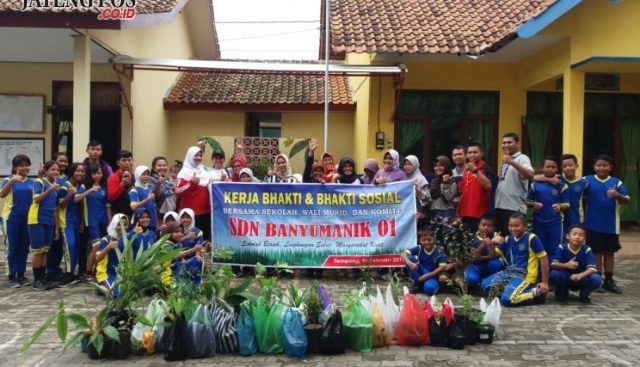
[605, 333]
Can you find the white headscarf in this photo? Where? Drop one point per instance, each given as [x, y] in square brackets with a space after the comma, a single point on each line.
[288, 168]
[114, 226]
[171, 214]
[190, 169]
[138, 172]
[191, 214]
[247, 171]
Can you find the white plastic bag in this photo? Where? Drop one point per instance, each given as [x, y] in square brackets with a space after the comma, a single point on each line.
[390, 311]
[483, 305]
[327, 313]
[156, 312]
[492, 314]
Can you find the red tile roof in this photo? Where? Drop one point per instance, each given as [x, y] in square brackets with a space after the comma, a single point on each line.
[428, 26]
[258, 89]
[142, 6]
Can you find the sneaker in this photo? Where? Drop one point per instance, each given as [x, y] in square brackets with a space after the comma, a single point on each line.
[610, 285]
[585, 300]
[14, 283]
[66, 281]
[561, 297]
[24, 281]
[88, 277]
[40, 285]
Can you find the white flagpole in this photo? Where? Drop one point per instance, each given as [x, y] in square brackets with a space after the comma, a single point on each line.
[326, 73]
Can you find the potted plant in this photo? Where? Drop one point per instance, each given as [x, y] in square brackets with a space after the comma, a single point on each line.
[94, 330]
[469, 317]
[312, 310]
[485, 333]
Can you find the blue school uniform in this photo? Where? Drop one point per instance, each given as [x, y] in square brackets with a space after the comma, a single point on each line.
[106, 269]
[522, 257]
[143, 239]
[547, 223]
[56, 252]
[574, 215]
[41, 217]
[477, 270]
[95, 214]
[559, 278]
[198, 239]
[69, 221]
[427, 262]
[602, 214]
[16, 230]
[188, 267]
[136, 195]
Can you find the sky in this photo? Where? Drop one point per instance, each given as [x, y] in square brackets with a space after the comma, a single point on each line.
[249, 29]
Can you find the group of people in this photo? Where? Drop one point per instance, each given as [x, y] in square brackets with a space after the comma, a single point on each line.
[563, 249]
[71, 214]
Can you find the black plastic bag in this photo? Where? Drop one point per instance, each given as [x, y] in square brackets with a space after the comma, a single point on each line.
[333, 339]
[174, 339]
[223, 319]
[457, 337]
[438, 332]
[201, 335]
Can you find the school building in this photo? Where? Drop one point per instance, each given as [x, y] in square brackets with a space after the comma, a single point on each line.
[564, 74]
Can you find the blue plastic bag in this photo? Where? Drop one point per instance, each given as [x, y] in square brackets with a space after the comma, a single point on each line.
[247, 342]
[293, 336]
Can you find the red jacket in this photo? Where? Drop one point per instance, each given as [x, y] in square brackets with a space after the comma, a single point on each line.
[192, 196]
[474, 199]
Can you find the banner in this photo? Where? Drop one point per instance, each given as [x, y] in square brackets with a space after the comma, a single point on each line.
[314, 225]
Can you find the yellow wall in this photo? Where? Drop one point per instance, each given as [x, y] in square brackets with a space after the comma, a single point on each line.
[37, 78]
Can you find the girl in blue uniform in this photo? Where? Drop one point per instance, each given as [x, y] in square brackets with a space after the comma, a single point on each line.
[17, 192]
[41, 222]
[95, 212]
[142, 197]
[144, 237]
[106, 258]
[192, 242]
[56, 252]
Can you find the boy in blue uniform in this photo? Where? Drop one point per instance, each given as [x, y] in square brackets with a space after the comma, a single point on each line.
[526, 263]
[548, 201]
[425, 264]
[42, 221]
[142, 197]
[602, 219]
[574, 267]
[106, 257]
[17, 192]
[486, 261]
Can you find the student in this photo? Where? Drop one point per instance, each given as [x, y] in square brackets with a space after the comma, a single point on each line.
[174, 171]
[119, 184]
[144, 235]
[56, 252]
[188, 262]
[69, 222]
[443, 189]
[96, 216]
[281, 173]
[411, 167]
[425, 264]
[106, 256]
[42, 222]
[142, 197]
[246, 175]
[526, 262]
[574, 267]
[548, 202]
[169, 217]
[602, 221]
[370, 170]
[163, 188]
[485, 259]
[17, 192]
[192, 243]
[390, 171]
[94, 156]
[193, 191]
[346, 173]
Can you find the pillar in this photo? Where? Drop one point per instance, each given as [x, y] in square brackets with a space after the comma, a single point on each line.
[81, 95]
[573, 115]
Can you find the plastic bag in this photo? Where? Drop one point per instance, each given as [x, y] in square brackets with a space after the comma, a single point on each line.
[457, 337]
[428, 310]
[412, 328]
[224, 325]
[492, 314]
[294, 338]
[447, 312]
[327, 313]
[247, 342]
[358, 327]
[201, 342]
[333, 340]
[390, 310]
[438, 332]
[381, 335]
[174, 339]
[324, 296]
[268, 325]
[156, 312]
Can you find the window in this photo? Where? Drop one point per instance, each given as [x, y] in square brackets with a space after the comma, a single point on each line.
[264, 124]
[542, 133]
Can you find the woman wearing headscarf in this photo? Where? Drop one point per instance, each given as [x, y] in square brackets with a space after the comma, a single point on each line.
[282, 171]
[370, 170]
[346, 173]
[329, 165]
[106, 257]
[192, 189]
[237, 164]
[411, 167]
[390, 171]
[142, 197]
[443, 188]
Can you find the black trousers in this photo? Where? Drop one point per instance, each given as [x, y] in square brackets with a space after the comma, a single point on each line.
[203, 221]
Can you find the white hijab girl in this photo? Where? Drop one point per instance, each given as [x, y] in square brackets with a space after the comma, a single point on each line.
[193, 167]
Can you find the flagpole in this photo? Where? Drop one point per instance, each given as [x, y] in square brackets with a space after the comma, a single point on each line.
[326, 73]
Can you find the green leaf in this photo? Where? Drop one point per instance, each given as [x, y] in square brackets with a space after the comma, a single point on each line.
[242, 286]
[73, 341]
[97, 340]
[112, 333]
[298, 147]
[38, 333]
[143, 320]
[61, 322]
